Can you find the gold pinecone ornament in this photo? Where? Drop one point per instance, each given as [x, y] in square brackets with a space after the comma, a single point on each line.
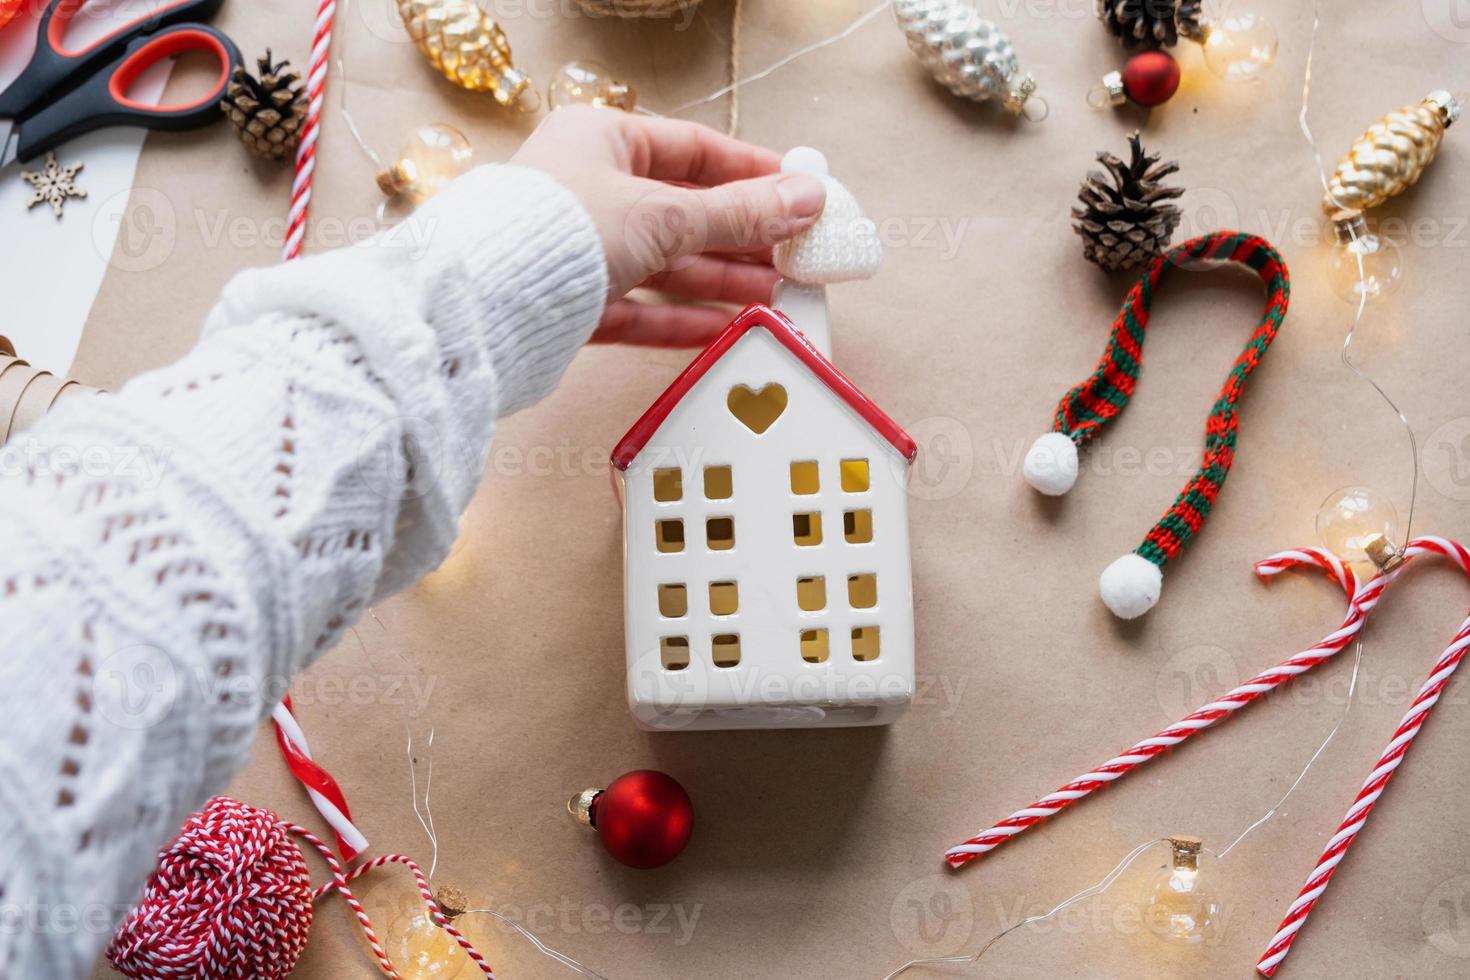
[268, 111]
[1391, 156]
[1124, 216]
[466, 45]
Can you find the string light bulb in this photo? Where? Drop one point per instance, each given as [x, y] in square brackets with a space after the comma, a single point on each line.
[589, 83]
[1364, 267]
[419, 948]
[1182, 905]
[435, 155]
[1239, 47]
[1358, 524]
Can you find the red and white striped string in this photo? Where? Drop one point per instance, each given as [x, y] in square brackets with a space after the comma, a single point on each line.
[339, 885]
[1377, 782]
[325, 794]
[1362, 602]
[316, 85]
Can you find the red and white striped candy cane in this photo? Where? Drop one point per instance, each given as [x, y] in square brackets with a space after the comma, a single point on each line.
[1362, 601]
[1393, 756]
[316, 85]
[320, 786]
[339, 885]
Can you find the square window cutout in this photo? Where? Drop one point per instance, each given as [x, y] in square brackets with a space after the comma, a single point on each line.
[857, 526]
[814, 646]
[669, 535]
[724, 598]
[673, 652]
[719, 483]
[862, 591]
[804, 478]
[811, 593]
[668, 485]
[726, 648]
[673, 601]
[854, 475]
[865, 643]
[806, 529]
[720, 533]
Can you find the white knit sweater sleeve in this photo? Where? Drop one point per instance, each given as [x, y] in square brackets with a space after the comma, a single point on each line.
[171, 555]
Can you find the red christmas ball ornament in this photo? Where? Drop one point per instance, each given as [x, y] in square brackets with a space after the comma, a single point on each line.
[1151, 78]
[644, 818]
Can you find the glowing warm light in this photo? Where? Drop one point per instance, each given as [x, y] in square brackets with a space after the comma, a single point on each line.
[589, 83]
[435, 155]
[1351, 517]
[1364, 267]
[1240, 47]
[1182, 907]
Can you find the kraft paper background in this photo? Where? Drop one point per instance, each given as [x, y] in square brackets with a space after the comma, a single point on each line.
[816, 854]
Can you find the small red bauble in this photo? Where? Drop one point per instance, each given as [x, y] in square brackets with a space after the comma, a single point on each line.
[1151, 78]
[644, 818]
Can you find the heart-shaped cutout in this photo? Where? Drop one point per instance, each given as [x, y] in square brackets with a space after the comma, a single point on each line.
[757, 410]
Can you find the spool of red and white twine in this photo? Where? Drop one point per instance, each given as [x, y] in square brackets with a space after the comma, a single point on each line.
[316, 85]
[1363, 599]
[232, 898]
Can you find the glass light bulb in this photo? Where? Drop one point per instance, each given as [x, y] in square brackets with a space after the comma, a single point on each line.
[589, 83]
[435, 155]
[1182, 905]
[420, 949]
[1350, 517]
[1365, 269]
[1240, 47]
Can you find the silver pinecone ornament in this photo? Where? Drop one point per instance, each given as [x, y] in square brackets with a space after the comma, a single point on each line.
[966, 53]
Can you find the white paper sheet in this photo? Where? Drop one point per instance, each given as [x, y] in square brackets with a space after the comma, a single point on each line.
[50, 269]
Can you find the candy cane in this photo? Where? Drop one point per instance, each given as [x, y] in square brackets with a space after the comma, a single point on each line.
[1361, 603]
[320, 786]
[316, 84]
[1393, 756]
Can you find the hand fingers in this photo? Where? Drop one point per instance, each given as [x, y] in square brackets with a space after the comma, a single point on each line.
[749, 215]
[725, 280]
[686, 152]
[659, 324]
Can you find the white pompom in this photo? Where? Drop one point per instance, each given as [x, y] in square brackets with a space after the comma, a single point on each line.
[804, 160]
[1130, 586]
[1051, 464]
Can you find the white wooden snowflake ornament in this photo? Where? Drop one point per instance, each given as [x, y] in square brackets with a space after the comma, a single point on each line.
[766, 551]
[53, 184]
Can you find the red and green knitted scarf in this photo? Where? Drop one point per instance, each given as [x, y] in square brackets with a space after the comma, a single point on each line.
[1096, 401]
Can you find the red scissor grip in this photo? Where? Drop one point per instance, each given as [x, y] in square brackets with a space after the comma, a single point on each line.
[66, 11]
[166, 46]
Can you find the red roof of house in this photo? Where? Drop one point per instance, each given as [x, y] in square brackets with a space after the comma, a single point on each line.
[793, 340]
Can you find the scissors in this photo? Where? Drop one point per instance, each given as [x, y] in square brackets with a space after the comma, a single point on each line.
[64, 92]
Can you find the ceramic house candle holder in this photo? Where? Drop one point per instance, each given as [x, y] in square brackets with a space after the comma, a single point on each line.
[766, 548]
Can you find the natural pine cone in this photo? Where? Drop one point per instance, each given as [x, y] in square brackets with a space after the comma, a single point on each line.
[1150, 23]
[1123, 215]
[1390, 156]
[269, 111]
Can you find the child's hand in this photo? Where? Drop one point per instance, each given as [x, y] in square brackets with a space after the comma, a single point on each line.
[680, 208]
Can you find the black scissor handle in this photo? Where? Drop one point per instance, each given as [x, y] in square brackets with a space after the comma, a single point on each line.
[54, 67]
[102, 100]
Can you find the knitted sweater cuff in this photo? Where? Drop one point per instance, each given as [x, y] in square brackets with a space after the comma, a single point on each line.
[537, 275]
